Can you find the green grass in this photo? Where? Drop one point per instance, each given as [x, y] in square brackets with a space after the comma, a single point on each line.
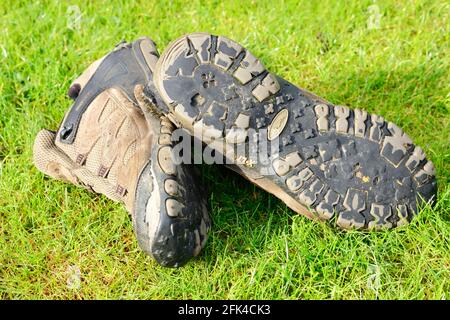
[258, 248]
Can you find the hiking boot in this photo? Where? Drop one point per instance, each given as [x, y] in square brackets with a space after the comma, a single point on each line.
[329, 162]
[110, 143]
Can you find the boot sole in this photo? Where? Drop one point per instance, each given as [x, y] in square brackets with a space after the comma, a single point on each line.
[334, 163]
[171, 217]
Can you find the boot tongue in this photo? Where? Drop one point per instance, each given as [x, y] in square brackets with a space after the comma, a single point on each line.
[146, 102]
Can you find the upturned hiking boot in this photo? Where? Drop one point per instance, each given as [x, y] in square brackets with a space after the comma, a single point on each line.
[111, 144]
[329, 162]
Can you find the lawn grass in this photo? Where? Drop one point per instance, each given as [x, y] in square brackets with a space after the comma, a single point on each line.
[258, 248]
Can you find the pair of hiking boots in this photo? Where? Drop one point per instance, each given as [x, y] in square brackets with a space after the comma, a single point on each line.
[326, 162]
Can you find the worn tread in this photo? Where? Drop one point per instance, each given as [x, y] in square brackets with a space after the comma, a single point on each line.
[356, 167]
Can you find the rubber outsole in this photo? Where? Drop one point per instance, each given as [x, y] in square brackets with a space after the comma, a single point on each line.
[171, 216]
[333, 163]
